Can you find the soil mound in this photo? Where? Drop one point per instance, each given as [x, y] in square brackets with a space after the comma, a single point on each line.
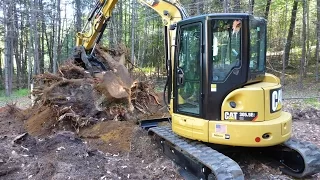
[102, 107]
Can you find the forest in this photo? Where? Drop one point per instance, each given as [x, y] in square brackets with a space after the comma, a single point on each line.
[39, 35]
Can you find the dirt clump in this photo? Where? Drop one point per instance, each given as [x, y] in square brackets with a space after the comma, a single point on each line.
[41, 123]
[110, 137]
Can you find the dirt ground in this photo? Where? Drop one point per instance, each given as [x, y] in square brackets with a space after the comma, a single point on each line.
[111, 150]
[63, 155]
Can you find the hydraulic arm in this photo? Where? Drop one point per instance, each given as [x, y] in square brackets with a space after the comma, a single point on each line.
[97, 20]
[91, 34]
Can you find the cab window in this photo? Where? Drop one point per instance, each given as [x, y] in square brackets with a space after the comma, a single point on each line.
[189, 68]
[226, 47]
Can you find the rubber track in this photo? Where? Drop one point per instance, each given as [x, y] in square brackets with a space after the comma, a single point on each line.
[310, 154]
[221, 166]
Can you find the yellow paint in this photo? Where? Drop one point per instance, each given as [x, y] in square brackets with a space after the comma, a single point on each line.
[180, 99]
[190, 127]
[271, 78]
[244, 133]
[183, 125]
[241, 133]
[88, 38]
[250, 98]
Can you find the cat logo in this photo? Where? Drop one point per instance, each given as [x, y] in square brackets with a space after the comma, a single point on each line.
[230, 115]
[276, 100]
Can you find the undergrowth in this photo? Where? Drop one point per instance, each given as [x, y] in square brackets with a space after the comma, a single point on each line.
[15, 94]
[313, 102]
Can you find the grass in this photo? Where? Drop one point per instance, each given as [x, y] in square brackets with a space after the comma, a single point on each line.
[148, 70]
[15, 94]
[313, 102]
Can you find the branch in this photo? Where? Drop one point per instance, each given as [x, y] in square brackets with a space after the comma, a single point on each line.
[278, 71]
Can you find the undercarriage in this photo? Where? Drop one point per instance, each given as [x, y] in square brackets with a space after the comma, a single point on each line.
[200, 161]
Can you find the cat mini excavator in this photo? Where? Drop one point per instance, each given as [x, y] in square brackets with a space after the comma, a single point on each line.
[218, 91]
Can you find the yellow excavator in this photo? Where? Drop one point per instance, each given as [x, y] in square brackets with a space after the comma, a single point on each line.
[219, 93]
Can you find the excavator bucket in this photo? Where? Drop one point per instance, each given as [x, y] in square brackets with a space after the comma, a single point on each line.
[87, 61]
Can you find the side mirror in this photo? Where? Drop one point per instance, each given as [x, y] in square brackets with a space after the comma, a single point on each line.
[180, 77]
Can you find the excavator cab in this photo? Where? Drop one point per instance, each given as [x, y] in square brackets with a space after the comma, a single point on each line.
[220, 88]
[215, 55]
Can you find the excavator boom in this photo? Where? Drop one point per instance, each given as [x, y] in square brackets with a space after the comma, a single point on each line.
[91, 34]
[97, 19]
[171, 13]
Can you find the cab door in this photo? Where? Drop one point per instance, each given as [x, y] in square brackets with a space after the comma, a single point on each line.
[188, 70]
[188, 78]
[228, 61]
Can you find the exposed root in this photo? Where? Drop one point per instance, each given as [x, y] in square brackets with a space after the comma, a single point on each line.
[75, 98]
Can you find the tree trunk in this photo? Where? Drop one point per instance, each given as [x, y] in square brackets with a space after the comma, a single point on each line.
[24, 59]
[144, 49]
[50, 50]
[283, 57]
[78, 15]
[112, 30]
[201, 7]
[34, 21]
[16, 46]
[59, 32]
[198, 7]
[1, 75]
[30, 51]
[7, 11]
[22, 50]
[226, 6]
[251, 6]
[308, 49]
[318, 41]
[133, 20]
[193, 7]
[56, 25]
[266, 14]
[125, 24]
[25, 46]
[286, 53]
[237, 7]
[304, 39]
[119, 37]
[43, 30]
